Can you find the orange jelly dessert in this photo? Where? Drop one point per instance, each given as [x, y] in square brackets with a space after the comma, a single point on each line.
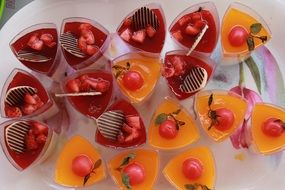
[192, 169]
[136, 75]
[79, 164]
[242, 31]
[171, 126]
[220, 113]
[135, 169]
[268, 128]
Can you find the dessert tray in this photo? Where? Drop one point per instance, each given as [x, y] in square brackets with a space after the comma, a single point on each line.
[123, 94]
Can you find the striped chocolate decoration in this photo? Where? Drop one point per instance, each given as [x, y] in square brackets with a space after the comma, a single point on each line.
[15, 136]
[143, 17]
[195, 80]
[15, 96]
[32, 57]
[70, 44]
[110, 124]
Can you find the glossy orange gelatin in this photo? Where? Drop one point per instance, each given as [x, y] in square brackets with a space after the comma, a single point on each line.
[241, 15]
[221, 99]
[266, 144]
[187, 133]
[149, 69]
[147, 158]
[174, 174]
[64, 175]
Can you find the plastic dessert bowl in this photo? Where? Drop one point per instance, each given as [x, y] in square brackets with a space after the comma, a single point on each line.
[242, 31]
[22, 102]
[220, 112]
[171, 126]
[79, 167]
[188, 27]
[192, 169]
[26, 143]
[144, 29]
[136, 74]
[121, 126]
[138, 172]
[91, 41]
[87, 81]
[37, 48]
[186, 75]
[267, 128]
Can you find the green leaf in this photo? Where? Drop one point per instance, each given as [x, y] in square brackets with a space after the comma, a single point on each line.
[189, 187]
[210, 101]
[176, 112]
[126, 160]
[254, 72]
[255, 28]
[126, 181]
[250, 43]
[97, 164]
[160, 118]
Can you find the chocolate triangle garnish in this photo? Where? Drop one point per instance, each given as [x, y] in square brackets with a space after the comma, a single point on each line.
[195, 80]
[143, 17]
[32, 57]
[110, 124]
[15, 135]
[15, 96]
[70, 44]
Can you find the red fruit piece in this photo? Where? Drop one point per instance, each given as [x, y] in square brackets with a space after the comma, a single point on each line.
[273, 127]
[48, 40]
[177, 35]
[85, 26]
[199, 24]
[191, 30]
[126, 128]
[29, 99]
[91, 49]
[39, 128]
[28, 109]
[41, 139]
[184, 20]
[196, 16]
[192, 169]
[121, 138]
[132, 80]
[167, 129]
[150, 31]
[126, 35]
[30, 142]
[139, 36]
[135, 173]
[167, 71]
[102, 85]
[238, 36]
[225, 119]
[73, 85]
[82, 165]
[135, 134]
[14, 112]
[133, 121]
[178, 65]
[88, 36]
[35, 43]
[82, 44]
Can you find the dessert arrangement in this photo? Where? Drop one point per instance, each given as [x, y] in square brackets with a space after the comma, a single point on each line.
[110, 93]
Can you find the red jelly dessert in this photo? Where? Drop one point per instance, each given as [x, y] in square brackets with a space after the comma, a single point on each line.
[86, 82]
[188, 26]
[186, 75]
[36, 47]
[120, 126]
[23, 95]
[144, 28]
[83, 41]
[26, 142]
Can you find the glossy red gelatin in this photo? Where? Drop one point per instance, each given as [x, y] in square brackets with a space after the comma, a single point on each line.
[91, 106]
[192, 61]
[127, 109]
[153, 44]
[205, 12]
[22, 78]
[20, 43]
[101, 41]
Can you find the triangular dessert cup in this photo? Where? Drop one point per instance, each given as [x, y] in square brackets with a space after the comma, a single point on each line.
[120, 127]
[149, 38]
[101, 37]
[187, 75]
[28, 158]
[187, 28]
[19, 79]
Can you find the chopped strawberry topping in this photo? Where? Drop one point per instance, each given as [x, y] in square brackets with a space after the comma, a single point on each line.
[139, 36]
[41, 139]
[85, 26]
[36, 136]
[38, 128]
[130, 130]
[28, 109]
[35, 43]
[121, 138]
[184, 20]
[86, 84]
[150, 31]
[30, 141]
[191, 30]
[29, 99]
[179, 65]
[199, 24]
[102, 85]
[126, 35]
[88, 36]
[133, 121]
[91, 49]
[73, 85]
[14, 112]
[48, 40]
[167, 71]
[82, 44]
[177, 35]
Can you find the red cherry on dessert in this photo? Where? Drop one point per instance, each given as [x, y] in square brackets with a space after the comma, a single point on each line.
[167, 129]
[192, 168]
[132, 80]
[191, 30]
[273, 127]
[82, 165]
[225, 119]
[135, 172]
[238, 36]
